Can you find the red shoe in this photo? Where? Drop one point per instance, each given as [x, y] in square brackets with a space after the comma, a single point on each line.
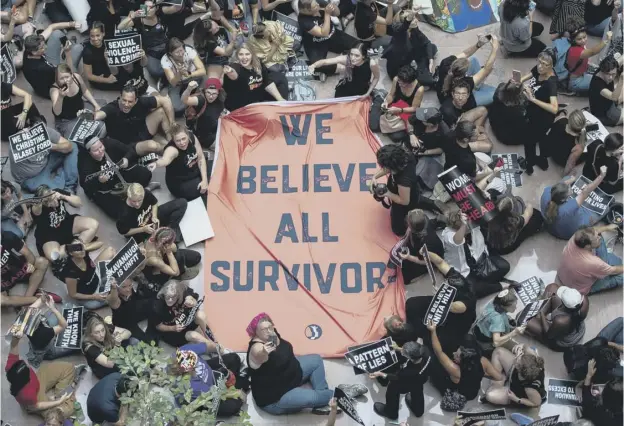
[244, 28]
[55, 297]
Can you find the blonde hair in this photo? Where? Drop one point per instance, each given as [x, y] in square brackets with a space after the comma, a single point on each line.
[64, 69]
[577, 123]
[558, 195]
[109, 340]
[458, 69]
[135, 190]
[255, 62]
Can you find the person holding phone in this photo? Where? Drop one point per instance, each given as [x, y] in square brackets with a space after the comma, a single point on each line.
[577, 60]
[606, 154]
[214, 46]
[507, 115]
[605, 96]
[519, 33]
[569, 134]
[606, 408]
[182, 65]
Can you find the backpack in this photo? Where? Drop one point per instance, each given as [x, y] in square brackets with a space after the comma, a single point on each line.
[191, 113]
[561, 48]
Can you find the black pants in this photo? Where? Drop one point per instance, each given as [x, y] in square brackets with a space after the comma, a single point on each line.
[533, 227]
[393, 395]
[9, 122]
[231, 406]
[57, 12]
[398, 213]
[113, 204]
[536, 46]
[170, 214]
[185, 258]
[188, 189]
[280, 80]
[339, 43]
[143, 309]
[484, 286]
[396, 57]
[536, 135]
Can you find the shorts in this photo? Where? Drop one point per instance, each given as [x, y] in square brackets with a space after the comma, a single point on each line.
[62, 235]
[140, 136]
[17, 277]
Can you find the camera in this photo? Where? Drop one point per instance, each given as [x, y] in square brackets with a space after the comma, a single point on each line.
[404, 250]
[379, 191]
[273, 339]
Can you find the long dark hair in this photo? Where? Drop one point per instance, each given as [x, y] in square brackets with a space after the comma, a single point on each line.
[202, 35]
[515, 8]
[504, 226]
[349, 68]
[418, 223]
[510, 94]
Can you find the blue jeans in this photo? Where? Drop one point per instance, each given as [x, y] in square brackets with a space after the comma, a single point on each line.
[66, 176]
[54, 49]
[580, 84]
[299, 398]
[612, 281]
[484, 94]
[614, 331]
[598, 29]
[9, 225]
[154, 68]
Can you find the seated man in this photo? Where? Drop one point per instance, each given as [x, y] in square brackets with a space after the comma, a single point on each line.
[586, 265]
[142, 215]
[457, 108]
[57, 168]
[103, 404]
[20, 264]
[97, 164]
[43, 53]
[134, 119]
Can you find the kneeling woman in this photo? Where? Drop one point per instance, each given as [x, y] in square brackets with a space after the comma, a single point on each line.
[248, 82]
[524, 371]
[358, 69]
[278, 375]
[56, 227]
[170, 317]
[560, 323]
[186, 174]
[100, 337]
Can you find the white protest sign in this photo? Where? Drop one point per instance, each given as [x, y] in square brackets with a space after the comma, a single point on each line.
[597, 202]
[195, 224]
[30, 142]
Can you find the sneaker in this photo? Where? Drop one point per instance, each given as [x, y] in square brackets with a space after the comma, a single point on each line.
[55, 297]
[542, 163]
[353, 391]
[380, 409]
[189, 274]
[153, 186]
[324, 411]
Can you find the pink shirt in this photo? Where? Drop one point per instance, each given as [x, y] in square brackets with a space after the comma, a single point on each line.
[580, 268]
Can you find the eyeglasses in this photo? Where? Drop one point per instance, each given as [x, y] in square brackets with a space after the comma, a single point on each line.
[460, 95]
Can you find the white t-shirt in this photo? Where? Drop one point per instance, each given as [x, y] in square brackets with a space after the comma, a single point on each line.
[455, 255]
[189, 55]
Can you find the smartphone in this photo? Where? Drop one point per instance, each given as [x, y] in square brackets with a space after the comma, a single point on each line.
[516, 76]
[592, 127]
[63, 41]
[142, 12]
[72, 248]
[273, 340]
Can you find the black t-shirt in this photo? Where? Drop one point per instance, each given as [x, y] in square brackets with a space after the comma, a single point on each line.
[6, 91]
[307, 23]
[87, 280]
[365, 18]
[407, 178]
[437, 139]
[171, 315]
[596, 158]
[128, 127]
[562, 140]
[88, 166]
[284, 9]
[221, 39]
[463, 158]
[540, 119]
[184, 167]
[42, 336]
[136, 218]
[91, 352]
[13, 262]
[52, 219]
[153, 37]
[94, 56]
[40, 73]
[450, 113]
[206, 124]
[596, 14]
[598, 104]
[247, 89]
[443, 69]
[412, 270]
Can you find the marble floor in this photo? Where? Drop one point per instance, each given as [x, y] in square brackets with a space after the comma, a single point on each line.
[538, 256]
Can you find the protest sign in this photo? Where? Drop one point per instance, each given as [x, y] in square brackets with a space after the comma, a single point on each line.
[530, 290]
[376, 356]
[396, 249]
[597, 202]
[26, 322]
[124, 50]
[291, 27]
[170, 2]
[71, 336]
[147, 159]
[105, 282]
[125, 262]
[299, 71]
[344, 402]
[195, 225]
[125, 32]
[440, 305]
[84, 129]
[467, 196]
[8, 67]
[563, 392]
[430, 269]
[299, 78]
[186, 318]
[3, 160]
[593, 135]
[359, 371]
[546, 421]
[30, 142]
[469, 418]
[529, 311]
[510, 168]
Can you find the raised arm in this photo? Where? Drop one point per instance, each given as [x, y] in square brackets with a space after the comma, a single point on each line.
[451, 368]
[582, 196]
[484, 72]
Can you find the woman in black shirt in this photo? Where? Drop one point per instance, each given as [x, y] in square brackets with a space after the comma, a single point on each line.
[129, 307]
[186, 173]
[508, 113]
[56, 227]
[108, 12]
[540, 88]
[208, 104]
[248, 82]
[409, 44]
[15, 116]
[98, 338]
[214, 46]
[509, 229]
[567, 136]
[609, 154]
[605, 99]
[606, 409]
[430, 135]
[78, 272]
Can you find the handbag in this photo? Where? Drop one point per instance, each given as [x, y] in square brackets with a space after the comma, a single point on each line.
[389, 123]
[484, 267]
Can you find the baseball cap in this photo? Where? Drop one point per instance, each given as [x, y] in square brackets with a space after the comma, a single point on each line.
[425, 114]
[570, 297]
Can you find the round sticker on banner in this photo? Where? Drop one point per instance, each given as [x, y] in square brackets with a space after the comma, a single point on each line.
[313, 332]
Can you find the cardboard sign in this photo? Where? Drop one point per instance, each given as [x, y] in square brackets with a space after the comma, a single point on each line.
[530, 311]
[546, 421]
[291, 27]
[299, 78]
[440, 305]
[430, 269]
[147, 159]
[599, 134]
[195, 225]
[394, 252]
[125, 32]
[344, 402]
[358, 371]
[26, 322]
[124, 50]
[530, 291]
[467, 196]
[563, 392]
[84, 129]
[71, 337]
[469, 418]
[300, 71]
[376, 356]
[105, 282]
[185, 319]
[8, 67]
[597, 202]
[125, 262]
[170, 2]
[510, 167]
[30, 142]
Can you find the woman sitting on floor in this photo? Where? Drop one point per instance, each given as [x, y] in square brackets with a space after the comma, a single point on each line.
[99, 338]
[494, 327]
[509, 229]
[508, 113]
[569, 136]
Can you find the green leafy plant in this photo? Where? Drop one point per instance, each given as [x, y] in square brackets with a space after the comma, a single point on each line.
[149, 403]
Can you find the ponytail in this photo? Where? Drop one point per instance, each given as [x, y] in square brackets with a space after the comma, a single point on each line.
[552, 210]
[558, 196]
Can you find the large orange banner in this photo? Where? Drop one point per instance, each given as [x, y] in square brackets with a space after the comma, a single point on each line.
[297, 233]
